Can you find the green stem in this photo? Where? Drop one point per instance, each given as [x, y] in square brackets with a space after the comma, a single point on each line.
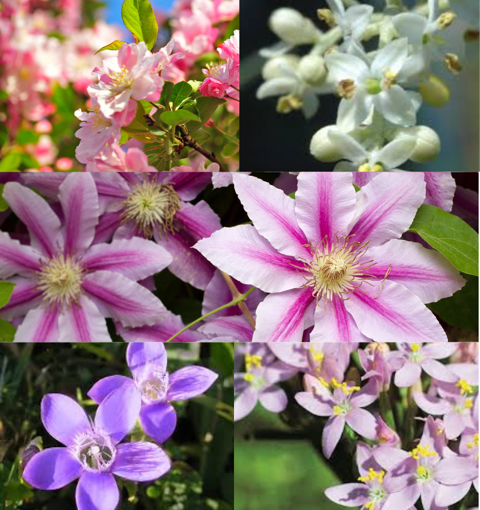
[225, 134]
[386, 410]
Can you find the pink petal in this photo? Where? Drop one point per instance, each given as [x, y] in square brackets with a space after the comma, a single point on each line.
[235, 328]
[198, 220]
[47, 184]
[408, 375]
[187, 184]
[25, 296]
[244, 403]
[388, 457]
[244, 254]
[402, 500]
[108, 224]
[395, 314]
[315, 404]
[283, 317]
[332, 432]
[274, 399]
[438, 371]
[430, 404]
[40, 325]
[363, 423]
[392, 202]
[325, 204]
[456, 471]
[454, 425]
[16, 258]
[440, 189]
[427, 273]
[349, 494]
[447, 495]
[273, 215]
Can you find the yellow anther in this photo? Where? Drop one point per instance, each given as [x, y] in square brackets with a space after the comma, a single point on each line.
[468, 403]
[474, 443]
[337, 410]
[422, 471]
[422, 451]
[373, 476]
[415, 347]
[323, 382]
[465, 388]
[344, 387]
[317, 356]
[453, 63]
[346, 89]
[366, 167]
[370, 505]
[289, 103]
[248, 377]
[327, 16]
[252, 361]
[446, 19]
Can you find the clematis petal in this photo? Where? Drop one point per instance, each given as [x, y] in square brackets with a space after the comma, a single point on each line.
[393, 200]
[25, 296]
[244, 254]
[318, 405]
[63, 418]
[440, 189]
[395, 314]
[158, 421]
[187, 184]
[283, 317]
[274, 399]
[142, 357]
[125, 301]
[108, 224]
[52, 469]
[189, 382]
[47, 184]
[235, 328]
[349, 494]
[16, 258]
[97, 491]
[408, 375]
[79, 199]
[102, 388]
[140, 462]
[324, 204]
[198, 220]
[39, 325]
[332, 432]
[363, 423]
[245, 403]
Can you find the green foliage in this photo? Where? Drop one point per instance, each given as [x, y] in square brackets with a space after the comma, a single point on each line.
[232, 26]
[180, 92]
[230, 149]
[64, 99]
[6, 289]
[7, 331]
[450, 235]
[115, 45]
[140, 19]
[234, 126]
[3, 203]
[138, 127]
[10, 162]
[24, 137]
[178, 117]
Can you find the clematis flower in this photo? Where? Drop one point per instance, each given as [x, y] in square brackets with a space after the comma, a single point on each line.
[343, 403]
[154, 387]
[92, 451]
[66, 284]
[339, 250]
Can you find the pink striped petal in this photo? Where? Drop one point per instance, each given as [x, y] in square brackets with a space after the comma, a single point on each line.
[235, 328]
[244, 254]
[24, 298]
[40, 325]
[198, 220]
[273, 214]
[16, 258]
[396, 314]
[108, 224]
[47, 184]
[125, 301]
[83, 322]
[283, 317]
[427, 273]
[134, 258]
[440, 189]
[333, 323]
[187, 184]
[392, 200]
[42, 223]
[325, 204]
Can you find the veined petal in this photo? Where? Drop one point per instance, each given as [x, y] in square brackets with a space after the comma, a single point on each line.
[440, 190]
[395, 314]
[189, 382]
[16, 258]
[397, 106]
[158, 421]
[47, 184]
[102, 388]
[187, 184]
[244, 254]
[141, 357]
[140, 462]
[97, 491]
[24, 298]
[198, 220]
[235, 327]
[283, 317]
[276, 87]
[273, 215]
[349, 494]
[108, 224]
[39, 325]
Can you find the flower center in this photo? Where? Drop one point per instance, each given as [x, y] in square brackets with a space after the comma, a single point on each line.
[98, 121]
[216, 69]
[424, 474]
[121, 79]
[366, 167]
[465, 387]
[252, 363]
[151, 205]
[422, 452]
[289, 103]
[95, 451]
[374, 480]
[346, 88]
[154, 387]
[60, 279]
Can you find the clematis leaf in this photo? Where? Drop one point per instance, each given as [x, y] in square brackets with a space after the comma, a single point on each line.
[3, 203]
[7, 331]
[450, 235]
[115, 45]
[140, 19]
[6, 289]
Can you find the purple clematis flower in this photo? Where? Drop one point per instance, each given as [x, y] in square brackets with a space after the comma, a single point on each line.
[146, 205]
[93, 452]
[66, 284]
[343, 403]
[154, 387]
[339, 250]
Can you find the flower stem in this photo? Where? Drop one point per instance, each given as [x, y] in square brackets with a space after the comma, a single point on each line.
[386, 410]
[232, 98]
[235, 294]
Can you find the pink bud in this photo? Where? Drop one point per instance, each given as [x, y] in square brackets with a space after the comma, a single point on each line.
[46, 169]
[64, 164]
[210, 123]
[212, 87]
[44, 126]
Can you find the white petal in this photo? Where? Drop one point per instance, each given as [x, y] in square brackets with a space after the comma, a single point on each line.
[276, 87]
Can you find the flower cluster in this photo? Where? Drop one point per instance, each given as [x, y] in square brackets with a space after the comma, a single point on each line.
[403, 455]
[381, 64]
[95, 450]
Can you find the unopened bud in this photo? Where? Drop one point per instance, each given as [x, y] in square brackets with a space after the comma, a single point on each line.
[322, 148]
[64, 164]
[312, 70]
[42, 127]
[434, 91]
[427, 146]
[194, 84]
[276, 66]
[292, 27]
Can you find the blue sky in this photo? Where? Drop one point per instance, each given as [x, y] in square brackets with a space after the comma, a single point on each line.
[113, 11]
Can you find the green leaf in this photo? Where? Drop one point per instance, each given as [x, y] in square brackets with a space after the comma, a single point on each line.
[115, 45]
[64, 99]
[234, 126]
[3, 203]
[124, 138]
[178, 117]
[232, 26]
[230, 149]
[207, 106]
[167, 91]
[450, 235]
[10, 162]
[24, 137]
[202, 136]
[138, 127]
[357, 189]
[180, 92]
[292, 195]
[168, 145]
[6, 289]
[140, 19]
[29, 162]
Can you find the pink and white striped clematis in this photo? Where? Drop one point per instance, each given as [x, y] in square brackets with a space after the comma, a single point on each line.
[65, 283]
[332, 259]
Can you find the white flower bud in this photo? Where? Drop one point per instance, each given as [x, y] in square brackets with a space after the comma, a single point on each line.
[274, 67]
[427, 145]
[312, 70]
[322, 148]
[292, 27]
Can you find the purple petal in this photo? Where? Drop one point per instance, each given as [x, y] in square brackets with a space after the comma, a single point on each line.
[324, 204]
[42, 223]
[52, 469]
[284, 316]
[236, 328]
[79, 199]
[440, 190]
[244, 254]
[363, 423]
[332, 432]
[401, 475]
[367, 395]
[141, 357]
[24, 297]
[439, 351]
[245, 403]
[102, 388]
[83, 322]
[430, 404]
[108, 224]
[63, 418]
[158, 421]
[16, 258]
[125, 301]
[187, 184]
[388, 457]
[315, 404]
[273, 215]
[392, 202]
[456, 470]
[349, 494]
[140, 462]
[97, 491]
[438, 371]
[454, 425]
[40, 325]
[198, 220]
[447, 495]
[117, 414]
[408, 375]
[189, 382]
[134, 258]
[47, 184]
[403, 500]
[274, 399]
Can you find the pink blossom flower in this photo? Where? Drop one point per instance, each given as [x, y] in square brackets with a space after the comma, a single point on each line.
[231, 48]
[114, 159]
[43, 127]
[164, 64]
[339, 250]
[212, 87]
[44, 151]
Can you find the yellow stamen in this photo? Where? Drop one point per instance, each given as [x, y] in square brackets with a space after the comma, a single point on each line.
[248, 377]
[252, 361]
[465, 388]
[373, 475]
[414, 347]
[422, 451]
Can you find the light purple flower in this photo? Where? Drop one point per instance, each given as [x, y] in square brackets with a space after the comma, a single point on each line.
[343, 403]
[334, 247]
[66, 284]
[93, 452]
[154, 387]
[379, 362]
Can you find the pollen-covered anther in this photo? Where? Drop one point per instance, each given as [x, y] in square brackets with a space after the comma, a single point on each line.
[346, 88]
[289, 103]
[327, 16]
[99, 122]
[389, 79]
[366, 167]
[453, 63]
[152, 206]
[121, 79]
[446, 19]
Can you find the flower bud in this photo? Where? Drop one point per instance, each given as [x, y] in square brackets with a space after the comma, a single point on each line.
[275, 66]
[427, 145]
[434, 91]
[194, 84]
[322, 148]
[292, 27]
[64, 164]
[312, 70]
[43, 126]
